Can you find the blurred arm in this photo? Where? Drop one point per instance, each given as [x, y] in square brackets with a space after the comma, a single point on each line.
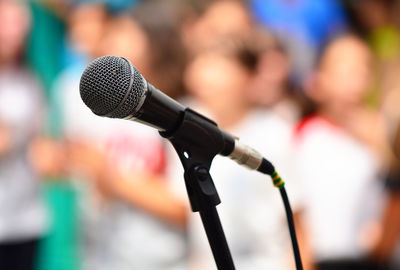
[149, 193]
[377, 138]
[140, 189]
[5, 140]
[358, 123]
[391, 230]
[48, 158]
[304, 244]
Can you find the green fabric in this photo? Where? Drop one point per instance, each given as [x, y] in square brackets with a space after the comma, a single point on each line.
[59, 248]
[45, 44]
[44, 54]
[385, 42]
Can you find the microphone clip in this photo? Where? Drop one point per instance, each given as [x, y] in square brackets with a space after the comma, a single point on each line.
[197, 140]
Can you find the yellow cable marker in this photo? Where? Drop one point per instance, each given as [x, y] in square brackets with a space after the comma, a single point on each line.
[277, 180]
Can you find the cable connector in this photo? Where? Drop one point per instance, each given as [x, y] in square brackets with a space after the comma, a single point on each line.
[266, 167]
[245, 155]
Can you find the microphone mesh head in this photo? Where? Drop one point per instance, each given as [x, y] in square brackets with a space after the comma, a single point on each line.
[111, 86]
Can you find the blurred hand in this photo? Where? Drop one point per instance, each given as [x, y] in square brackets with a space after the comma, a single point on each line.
[85, 158]
[91, 162]
[370, 234]
[5, 139]
[390, 233]
[48, 157]
[369, 127]
[137, 188]
[146, 191]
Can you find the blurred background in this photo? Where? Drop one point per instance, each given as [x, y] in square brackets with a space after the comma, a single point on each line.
[313, 85]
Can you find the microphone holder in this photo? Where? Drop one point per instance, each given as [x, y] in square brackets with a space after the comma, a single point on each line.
[197, 140]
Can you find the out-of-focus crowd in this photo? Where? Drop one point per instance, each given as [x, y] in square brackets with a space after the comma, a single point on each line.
[313, 85]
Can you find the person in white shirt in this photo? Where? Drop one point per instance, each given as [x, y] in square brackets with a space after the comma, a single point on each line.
[251, 211]
[340, 152]
[130, 218]
[23, 219]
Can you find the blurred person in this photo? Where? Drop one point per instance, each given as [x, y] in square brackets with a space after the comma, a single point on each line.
[86, 21]
[341, 152]
[378, 21]
[152, 44]
[272, 87]
[48, 52]
[23, 220]
[251, 212]
[387, 248]
[131, 218]
[215, 19]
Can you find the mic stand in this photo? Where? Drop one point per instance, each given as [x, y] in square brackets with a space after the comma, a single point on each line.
[196, 154]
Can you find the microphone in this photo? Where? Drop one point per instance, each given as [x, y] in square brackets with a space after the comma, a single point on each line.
[112, 87]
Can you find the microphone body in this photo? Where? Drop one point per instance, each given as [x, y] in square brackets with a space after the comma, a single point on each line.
[158, 110]
[111, 87]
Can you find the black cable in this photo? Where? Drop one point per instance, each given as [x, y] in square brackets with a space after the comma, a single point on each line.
[292, 231]
[266, 167]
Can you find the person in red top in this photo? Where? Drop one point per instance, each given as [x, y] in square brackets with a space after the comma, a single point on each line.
[131, 217]
[341, 152]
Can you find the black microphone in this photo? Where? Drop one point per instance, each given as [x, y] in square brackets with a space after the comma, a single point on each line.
[112, 87]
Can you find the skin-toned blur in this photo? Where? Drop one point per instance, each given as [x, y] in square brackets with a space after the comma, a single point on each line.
[86, 26]
[17, 18]
[212, 74]
[355, 59]
[312, 85]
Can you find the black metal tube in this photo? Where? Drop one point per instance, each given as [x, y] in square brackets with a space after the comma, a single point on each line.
[159, 110]
[216, 238]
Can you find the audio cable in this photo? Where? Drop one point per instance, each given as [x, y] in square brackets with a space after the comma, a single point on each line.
[266, 167]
